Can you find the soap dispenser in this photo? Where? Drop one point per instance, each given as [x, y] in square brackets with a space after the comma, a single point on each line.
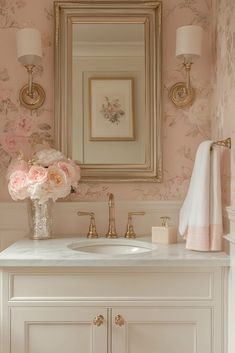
[164, 234]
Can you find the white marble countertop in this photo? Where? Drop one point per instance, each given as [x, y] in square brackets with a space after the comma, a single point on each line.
[55, 252]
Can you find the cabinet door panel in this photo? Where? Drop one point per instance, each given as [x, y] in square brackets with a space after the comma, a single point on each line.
[57, 330]
[162, 330]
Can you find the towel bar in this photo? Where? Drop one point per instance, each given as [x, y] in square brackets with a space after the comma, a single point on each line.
[223, 143]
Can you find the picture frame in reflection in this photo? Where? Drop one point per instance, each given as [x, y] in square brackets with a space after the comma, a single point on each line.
[111, 108]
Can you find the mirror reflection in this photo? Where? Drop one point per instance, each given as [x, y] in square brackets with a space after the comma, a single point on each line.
[108, 93]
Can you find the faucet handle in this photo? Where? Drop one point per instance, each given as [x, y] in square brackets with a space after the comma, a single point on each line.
[92, 233]
[165, 220]
[130, 233]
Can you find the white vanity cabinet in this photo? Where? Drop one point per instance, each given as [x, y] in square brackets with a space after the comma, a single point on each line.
[163, 330]
[113, 310]
[57, 329]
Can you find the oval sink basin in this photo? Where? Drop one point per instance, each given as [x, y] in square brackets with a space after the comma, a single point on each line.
[112, 247]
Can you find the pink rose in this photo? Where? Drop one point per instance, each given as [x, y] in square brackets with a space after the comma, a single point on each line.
[17, 185]
[50, 177]
[17, 165]
[37, 174]
[71, 171]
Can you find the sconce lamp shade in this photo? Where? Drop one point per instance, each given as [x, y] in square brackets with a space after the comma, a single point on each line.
[29, 46]
[189, 41]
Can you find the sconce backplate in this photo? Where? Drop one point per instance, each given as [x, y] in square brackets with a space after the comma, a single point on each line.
[180, 95]
[33, 101]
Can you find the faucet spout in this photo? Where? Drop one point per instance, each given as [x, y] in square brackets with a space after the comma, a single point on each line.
[111, 228]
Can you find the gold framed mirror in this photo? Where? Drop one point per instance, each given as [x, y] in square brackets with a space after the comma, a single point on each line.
[108, 88]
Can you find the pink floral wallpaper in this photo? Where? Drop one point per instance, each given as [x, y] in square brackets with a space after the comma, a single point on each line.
[183, 129]
[224, 83]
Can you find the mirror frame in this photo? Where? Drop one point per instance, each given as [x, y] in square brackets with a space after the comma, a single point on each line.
[148, 13]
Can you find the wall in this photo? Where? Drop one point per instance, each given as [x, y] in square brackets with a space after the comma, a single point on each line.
[182, 129]
[224, 81]
[224, 126]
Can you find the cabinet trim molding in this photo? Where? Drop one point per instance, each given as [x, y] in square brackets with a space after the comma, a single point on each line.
[31, 286]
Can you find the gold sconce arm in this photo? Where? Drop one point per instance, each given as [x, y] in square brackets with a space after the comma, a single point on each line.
[32, 95]
[29, 69]
[187, 66]
[182, 93]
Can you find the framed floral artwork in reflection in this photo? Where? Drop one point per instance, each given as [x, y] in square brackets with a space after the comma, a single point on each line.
[111, 109]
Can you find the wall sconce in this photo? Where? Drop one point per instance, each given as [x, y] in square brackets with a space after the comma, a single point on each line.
[29, 53]
[188, 47]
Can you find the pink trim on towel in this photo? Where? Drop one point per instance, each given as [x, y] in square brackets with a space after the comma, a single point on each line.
[207, 238]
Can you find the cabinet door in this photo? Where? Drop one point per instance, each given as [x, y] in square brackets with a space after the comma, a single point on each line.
[57, 330]
[161, 330]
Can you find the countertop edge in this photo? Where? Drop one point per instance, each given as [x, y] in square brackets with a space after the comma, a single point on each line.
[62, 253]
[115, 263]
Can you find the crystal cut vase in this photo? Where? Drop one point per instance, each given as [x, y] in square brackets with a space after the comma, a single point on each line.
[40, 219]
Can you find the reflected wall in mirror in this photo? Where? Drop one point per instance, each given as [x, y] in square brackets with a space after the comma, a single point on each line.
[108, 88]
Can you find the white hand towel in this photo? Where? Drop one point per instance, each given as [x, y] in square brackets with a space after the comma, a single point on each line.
[201, 214]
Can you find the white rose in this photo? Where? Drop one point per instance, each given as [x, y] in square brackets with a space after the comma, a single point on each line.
[40, 192]
[59, 185]
[48, 156]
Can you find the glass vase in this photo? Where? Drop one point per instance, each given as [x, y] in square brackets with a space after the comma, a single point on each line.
[40, 219]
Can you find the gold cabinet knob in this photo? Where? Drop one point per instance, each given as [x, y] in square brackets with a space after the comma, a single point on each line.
[98, 320]
[119, 320]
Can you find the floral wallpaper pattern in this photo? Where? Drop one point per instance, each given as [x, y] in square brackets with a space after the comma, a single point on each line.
[183, 129]
[20, 132]
[224, 83]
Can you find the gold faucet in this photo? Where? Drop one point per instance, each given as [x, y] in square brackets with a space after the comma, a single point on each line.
[92, 233]
[112, 228]
[130, 233]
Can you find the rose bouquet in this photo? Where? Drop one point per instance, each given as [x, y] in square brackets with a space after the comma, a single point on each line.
[48, 175]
